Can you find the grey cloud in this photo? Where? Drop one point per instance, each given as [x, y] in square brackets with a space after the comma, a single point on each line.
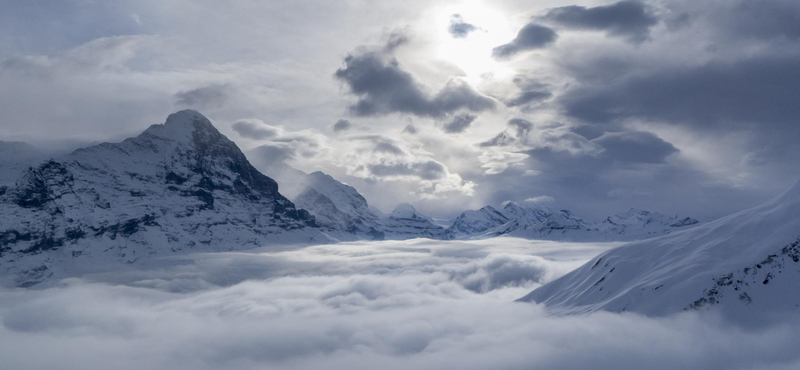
[532, 36]
[758, 91]
[458, 123]
[410, 129]
[254, 130]
[394, 40]
[269, 155]
[206, 96]
[527, 97]
[629, 19]
[341, 125]
[387, 147]
[757, 19]
[427, 170]
[458, 28]
[383, 87]
[635, 146]
[521, 128]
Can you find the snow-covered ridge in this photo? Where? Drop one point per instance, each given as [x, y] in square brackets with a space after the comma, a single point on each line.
[540, 222]
[747, 264]
[178, 186]
[342, 212]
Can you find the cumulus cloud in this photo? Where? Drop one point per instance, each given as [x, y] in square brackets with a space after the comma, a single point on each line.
[459, 28]
[377, 157]
[629, 19]
[278, 145]
[458, 123]
[383, 87]
[341, 125]
[255, 129]
[212, 95]
[532, 36]
[393, 305]
[512, 146]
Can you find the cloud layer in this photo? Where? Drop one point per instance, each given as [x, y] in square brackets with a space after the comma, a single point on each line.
[394, 305]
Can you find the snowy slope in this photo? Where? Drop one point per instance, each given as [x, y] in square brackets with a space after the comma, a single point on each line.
[539, 222]
[178, 186]
[745, 264]
[338, 206]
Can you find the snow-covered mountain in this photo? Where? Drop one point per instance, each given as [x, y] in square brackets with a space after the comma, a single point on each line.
[477, 223]
[540, 222]
[342, 212]
[746, 264]
[178, 186]
[338, 206]
[405, 222]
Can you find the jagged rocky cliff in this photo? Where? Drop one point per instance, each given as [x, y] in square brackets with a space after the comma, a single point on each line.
[178, 186]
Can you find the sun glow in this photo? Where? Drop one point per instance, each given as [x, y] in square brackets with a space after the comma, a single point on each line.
[473, 53]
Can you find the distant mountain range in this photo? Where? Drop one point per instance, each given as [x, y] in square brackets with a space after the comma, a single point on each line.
[183, 186]
[539, 222]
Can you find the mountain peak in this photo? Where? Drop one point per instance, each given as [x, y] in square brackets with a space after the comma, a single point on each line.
[185, 126]
[404, 210]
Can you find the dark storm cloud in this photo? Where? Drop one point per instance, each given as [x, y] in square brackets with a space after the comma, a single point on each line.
[383, 87]
[207, 96]
[341, 125]
[635, 147]
[254, 130]
[762, 19]
[530, 37]
[458, 123]
[760, 90]
[458, 28]
[629, 19]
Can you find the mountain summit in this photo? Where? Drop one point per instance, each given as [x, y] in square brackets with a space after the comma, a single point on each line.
[179, 186]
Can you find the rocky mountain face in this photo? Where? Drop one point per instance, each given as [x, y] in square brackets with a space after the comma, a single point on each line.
[539, 222]
[746, 264]
[179, 186]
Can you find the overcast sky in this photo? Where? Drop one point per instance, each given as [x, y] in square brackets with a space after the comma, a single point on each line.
[679, 106]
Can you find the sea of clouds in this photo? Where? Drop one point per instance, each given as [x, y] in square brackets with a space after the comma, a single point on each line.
[417, 304]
